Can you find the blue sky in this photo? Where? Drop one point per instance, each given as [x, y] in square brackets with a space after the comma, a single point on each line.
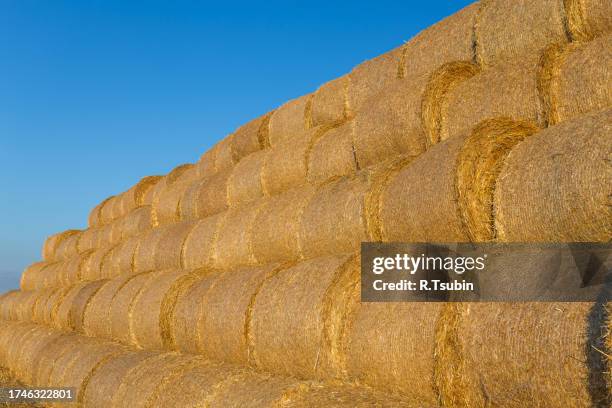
[96, 94]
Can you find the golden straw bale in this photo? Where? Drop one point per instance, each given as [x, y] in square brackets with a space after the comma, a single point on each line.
[329, 102]
[88, 239]
[53, 357]
[95, 216]
[32, 276]
[371, 77]
[166, 182]
[250, 138]
[585, 79]
[224, 156]
[187, 311]
[334, 219]
[85, 346]
[205, 167]
[103, 236]
[71, 272]
[205, 197]
[96, 317]
[233, 246]
[52, 242]
[122, 259]
[169, 249]
[80, 303]
[289, 121]
[244, 184]
[144, 254]
[52, 305]
[91, 269]
[140, 384]
[340, 395]
[25, 306]
[399, 357]
[30, 351]
[120, 313]
[508, 367]
[555, 187]
[61, 312]
[275, 236]
[167, 208]
[333, 155]
[67, 247]
[107, 213]
[224, 322]
[508, 90]
[134, 197]
[539, 23]
[146, 310]
[199, 246]
[39, 311]
[286, 163]
[588, 19]
[248, 388]
[136, 222]
[296, 320]
[51, 275]
[450, 187]
[107, 377]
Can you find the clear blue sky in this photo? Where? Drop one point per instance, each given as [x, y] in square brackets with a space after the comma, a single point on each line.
[96, 94]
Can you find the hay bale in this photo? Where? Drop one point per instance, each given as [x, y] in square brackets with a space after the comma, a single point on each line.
[107, 377]
[250, 138]
[61, 314]
[146, 310]
[400, 355]
[205, 197]
[108, 212]
[52, 304]
[52, 242]
[329, 102]
[371, 77]
[289, 121]
[122, 259]
[310, 394]
[85, 346]
[67, 247]
[224, 156]
[296, 321]
[199, 245]
[122, 305]
[169, 249]
[55, 356]
[333, 155]
[223, 325]
[334, 220]
[31, 351]
[508, 367]
[166, 182]
[187, 311]
[38, 314]
[514, 95]
[244, 184]
[233, 246]
[32, 276]
[587, 19]
[136, 222]
[455, 202]
[539, 23]
[140, 384]
[276, 233]
[134, 197]
[71, 271]
[584, 80]
[562, 177]
[91, 269]
[167, 208]
[104, 235]
[95, 216]
[205, 167]
[144, 254]
[88, 239]
[51, 275]
[76, 315]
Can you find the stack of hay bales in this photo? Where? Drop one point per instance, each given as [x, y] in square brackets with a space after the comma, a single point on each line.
[235, 280]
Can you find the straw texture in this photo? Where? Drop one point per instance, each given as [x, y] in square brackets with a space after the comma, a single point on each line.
[52, 242]
[244, 184]
[199, 245]
[169, 249]
[289, 121]
[121, 307]
[588, 19]
[205, 197]
[250, 138]
[333, 155]
[329, 102]
[234, 244]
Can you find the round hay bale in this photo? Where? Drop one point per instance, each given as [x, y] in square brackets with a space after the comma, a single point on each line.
[167, 208]
[199, 246]
[193, 387]
[107, 377]
[165, 183]
[244, 184]
[289, 121]
[371, 77]
[32, 276]
[205, 197]
[555, 187]
[169, 250]
[539, 23]
[52, 242]
[25, 305]
[104, 235]
[122, 259]
[233, 247]
[223, 325]
[80, 303]
[6, 302]
[135, 196]
[96, 317]
[587, 19]
[296, 320]
[71, 272]
[51, 275]
[329, 102]
[107, 213]
[275, 236]
[61, 312]
[38, 314]
[584, 82]
[389, 123]
[136, 222]
[108, 268]
[52, 304]
[95, 216]
[333, 395]
[67, 247]
[508, 367]
[187, 311]
[205, 167]
[455, 202]
[334, 220]
[250, 138]
[120, 313]
[333, 155]
[54, 356]
[81, 347]
[224, 156]
[31, 352]
[390, 346]
[144, 253]
[88, 239]
[141, 383]
[92, 267]
[515, 95]
[146, 311]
